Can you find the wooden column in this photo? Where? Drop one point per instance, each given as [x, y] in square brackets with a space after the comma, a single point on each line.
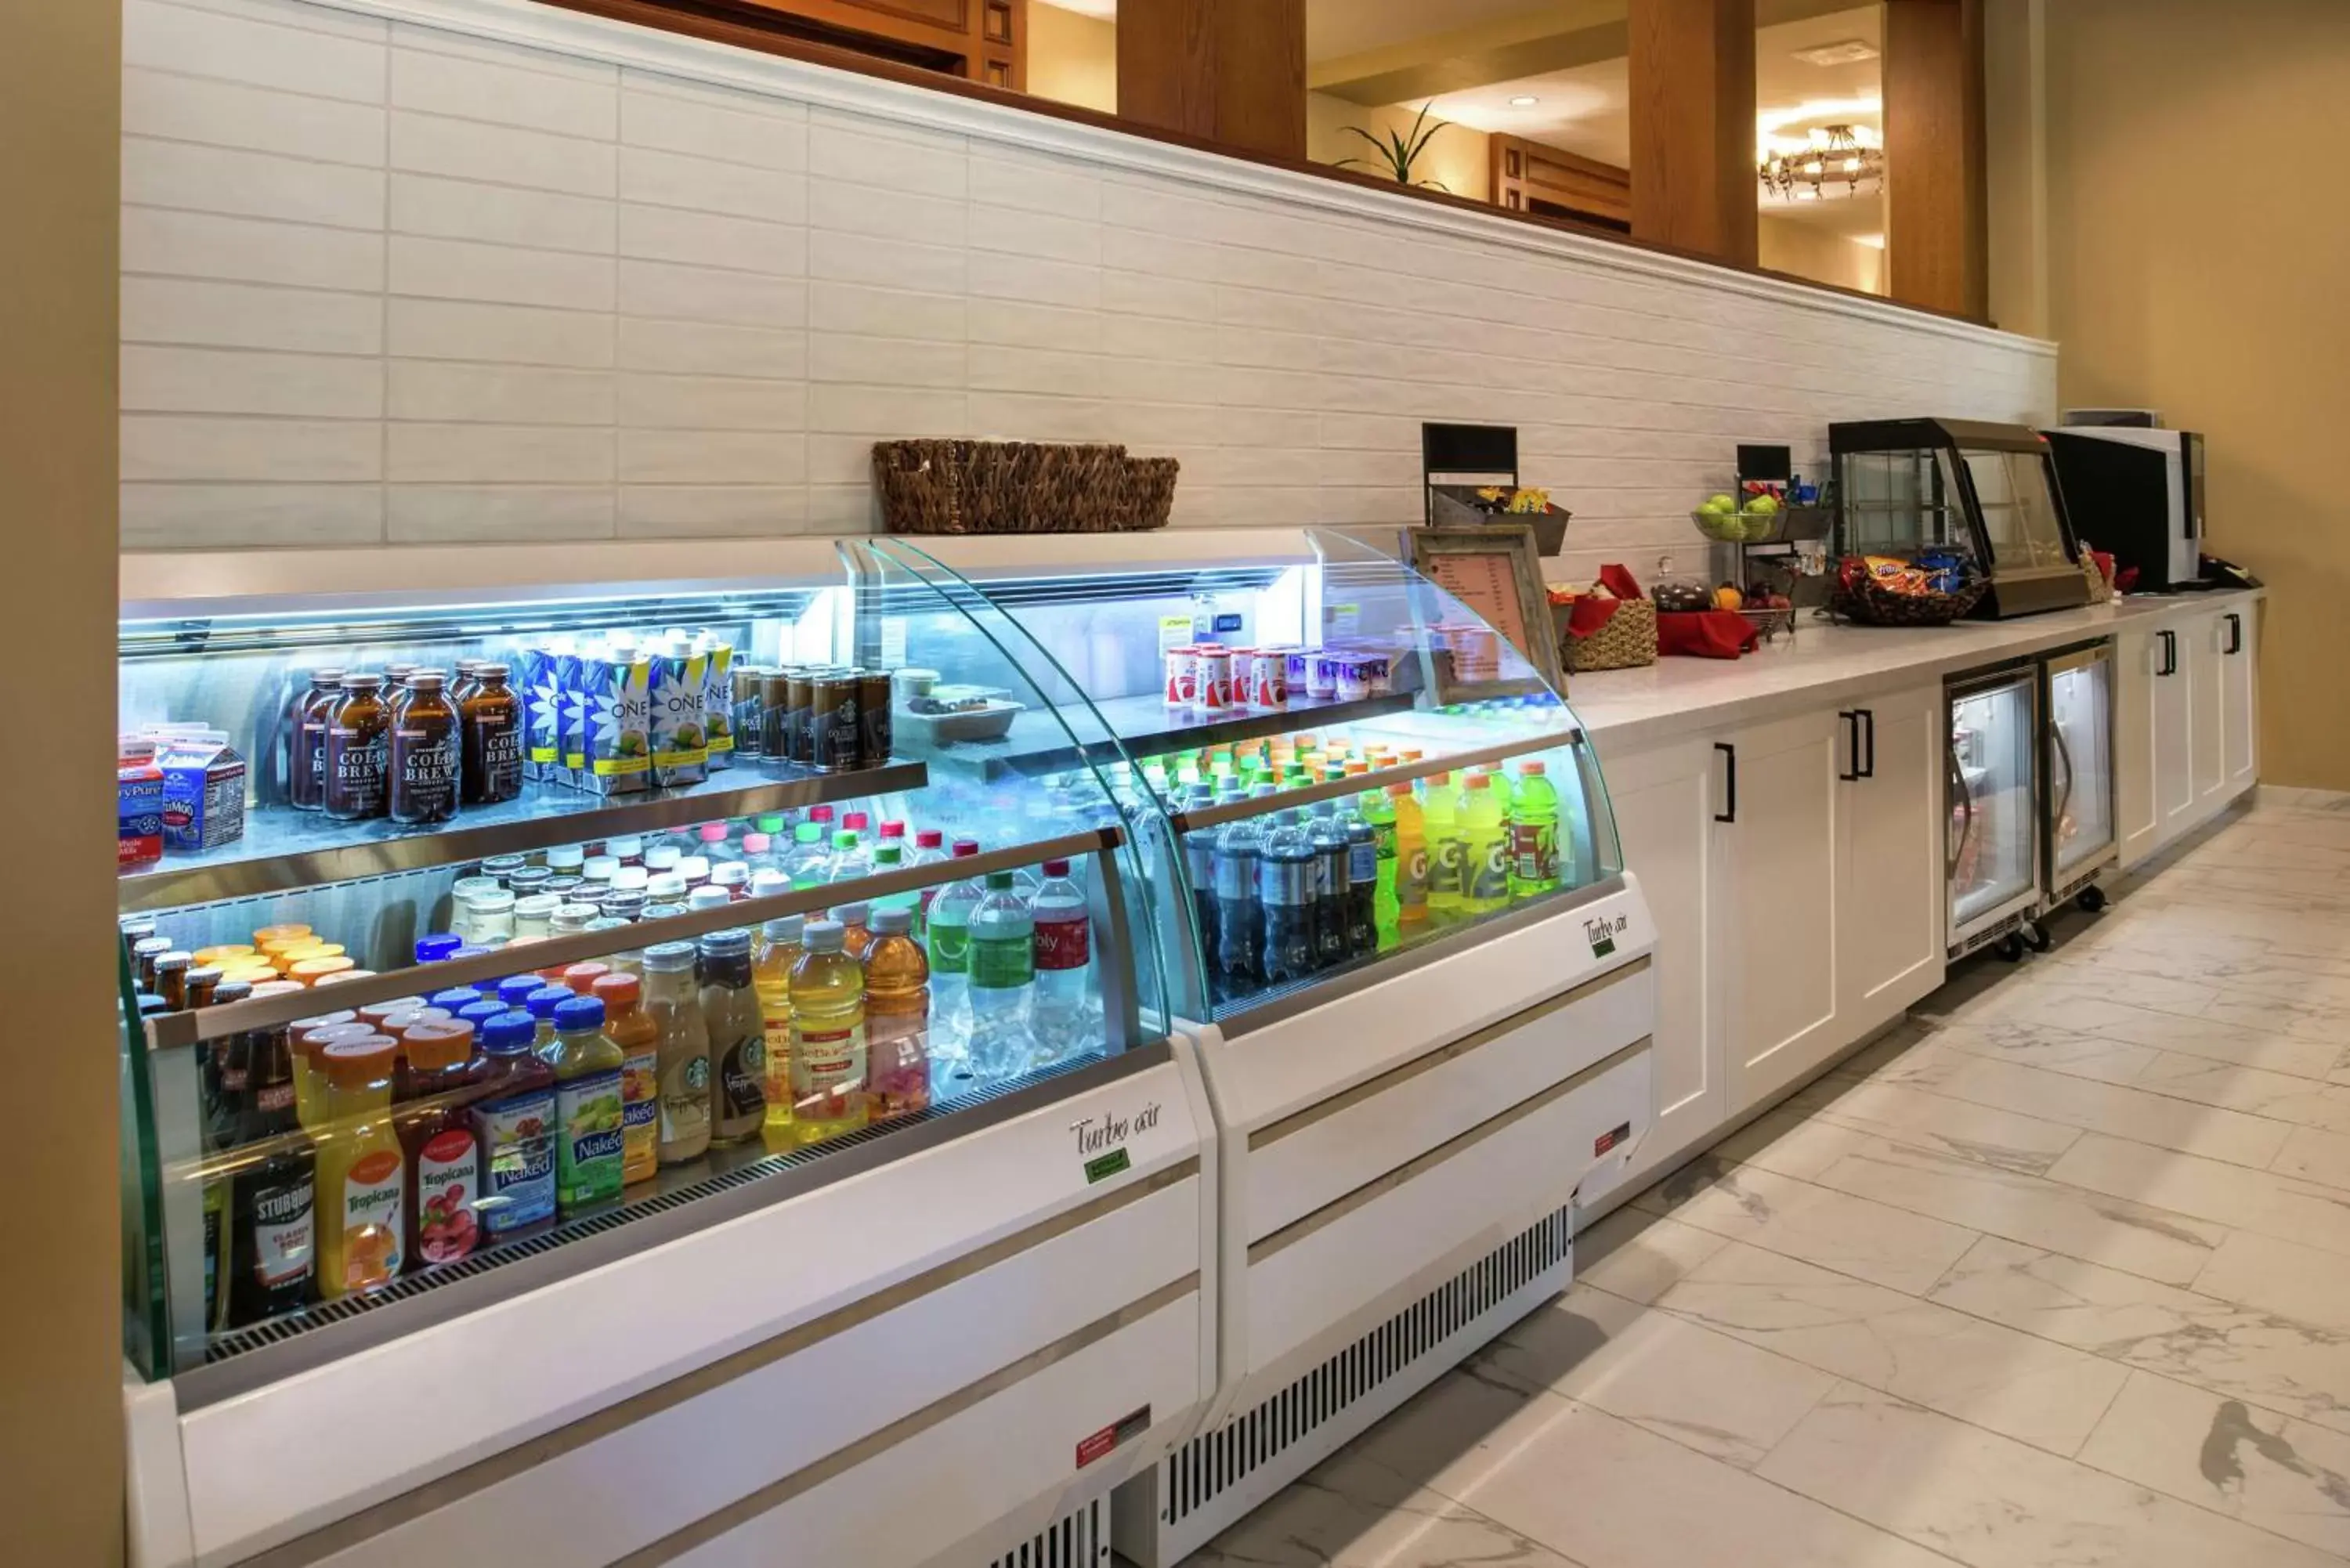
[1937, 245]
[1231, 71]
[1693, 183]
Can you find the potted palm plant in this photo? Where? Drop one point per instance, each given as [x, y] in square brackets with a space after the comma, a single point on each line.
[1400, 151]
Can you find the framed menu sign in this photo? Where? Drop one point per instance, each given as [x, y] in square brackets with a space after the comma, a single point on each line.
[1496, 572]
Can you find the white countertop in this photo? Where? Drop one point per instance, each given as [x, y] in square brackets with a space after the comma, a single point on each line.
[1624, 710]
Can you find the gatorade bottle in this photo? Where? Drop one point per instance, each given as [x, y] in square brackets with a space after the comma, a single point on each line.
[1239, 919]
[1533, 833]
[1332, 874]
[1414, 868]
[1362, 883]
[1448, 851]
[1285, 884]
[1379, 816]
[1486, 868]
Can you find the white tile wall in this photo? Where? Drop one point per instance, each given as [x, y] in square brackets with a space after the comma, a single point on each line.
[392, 283]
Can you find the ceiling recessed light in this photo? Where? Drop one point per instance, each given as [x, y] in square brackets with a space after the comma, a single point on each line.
[1525, 100]
[1846, 52]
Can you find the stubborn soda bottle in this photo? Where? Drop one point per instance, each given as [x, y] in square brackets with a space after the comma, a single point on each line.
[1533, 833]
[1485, 868]
[1448, 850]
[1286, 890]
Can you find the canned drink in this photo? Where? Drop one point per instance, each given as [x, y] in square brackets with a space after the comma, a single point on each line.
[832, 733]
[1323, 684]
[873, 732]
[1182, 676]
[750, 732]
[1268, 687]
[1215, 681]
[775, 706]
[799, 715]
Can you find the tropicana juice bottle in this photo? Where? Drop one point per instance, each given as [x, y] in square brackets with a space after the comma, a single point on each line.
[829, 1054]
[1485, 835]
[362, 1183]
[1448, 850]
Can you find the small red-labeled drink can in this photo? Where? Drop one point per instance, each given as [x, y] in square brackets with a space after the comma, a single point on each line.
[1182, 676]
[1215, 681]
[1268, 687]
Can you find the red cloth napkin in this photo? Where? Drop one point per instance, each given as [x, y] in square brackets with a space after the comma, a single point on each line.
[1592, 612]
[1706, 634]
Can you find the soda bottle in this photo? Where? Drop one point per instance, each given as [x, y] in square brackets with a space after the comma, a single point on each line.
[827, 998]
[807, 860]
[1002, 977]
[896, 1017]
[1448, 851]
[1362, 883]
[1485, 869]
[1413, 869]
[1379, 816]
[772, 958]
[1239, 919]
[1286, 875]
[949, 941]
[1332, 895]
[1533, 833]
[1200, 865]
[1063, 1002]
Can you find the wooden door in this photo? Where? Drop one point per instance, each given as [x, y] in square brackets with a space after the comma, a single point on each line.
[1776, 902]
[1889, 867]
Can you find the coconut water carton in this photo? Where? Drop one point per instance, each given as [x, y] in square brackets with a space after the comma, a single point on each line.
[616, 726]
[718, 700]
[542, 711]
[681, 683]
[571, 673]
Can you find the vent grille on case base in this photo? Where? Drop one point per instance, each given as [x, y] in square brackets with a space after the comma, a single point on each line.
[1079, 1538]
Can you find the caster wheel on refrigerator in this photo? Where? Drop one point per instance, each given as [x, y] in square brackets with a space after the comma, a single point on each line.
[2035, 936]
[2092, 900]
[2011, 948]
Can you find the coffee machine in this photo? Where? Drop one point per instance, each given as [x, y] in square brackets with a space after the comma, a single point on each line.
[2137, 494]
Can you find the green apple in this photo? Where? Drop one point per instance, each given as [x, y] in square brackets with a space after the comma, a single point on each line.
[1719, 504]
[1762, 506]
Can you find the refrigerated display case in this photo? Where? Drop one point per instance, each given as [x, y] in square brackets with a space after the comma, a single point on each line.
[1992, 767]
[2078, 825]
[913, 1287]
[1410, 1088]
[1171, 1214]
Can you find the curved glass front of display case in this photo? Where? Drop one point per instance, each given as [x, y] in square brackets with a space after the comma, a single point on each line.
[1329, 763]
[715, 901]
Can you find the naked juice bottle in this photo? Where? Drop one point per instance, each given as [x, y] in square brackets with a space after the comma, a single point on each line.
[362, 1186]
[632, 1029]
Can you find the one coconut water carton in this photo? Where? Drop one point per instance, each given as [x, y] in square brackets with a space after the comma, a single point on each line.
[717, 701]
[542, 711]
[616, 743]
[680, 741]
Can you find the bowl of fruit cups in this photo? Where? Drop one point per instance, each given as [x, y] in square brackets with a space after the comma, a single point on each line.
[1723, 520]
[1768, 611]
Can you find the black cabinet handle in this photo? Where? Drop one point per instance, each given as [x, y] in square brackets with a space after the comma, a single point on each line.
[1868, 768]
[2235, 632]
[1731, 779]
[2169, 652]
[1852, 741]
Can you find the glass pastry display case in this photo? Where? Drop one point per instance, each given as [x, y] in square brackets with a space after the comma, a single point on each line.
[858, 1022]
[1985, 492]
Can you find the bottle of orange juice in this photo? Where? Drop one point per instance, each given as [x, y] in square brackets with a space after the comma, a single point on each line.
[633, 1030]
[362, 1192]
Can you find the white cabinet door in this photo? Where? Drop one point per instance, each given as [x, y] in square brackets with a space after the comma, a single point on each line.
[2201, 641]
[1664, 801]
[1777, 898]
[2175, 768]
[2240, 710]
[1889, 892]
[2138, 656]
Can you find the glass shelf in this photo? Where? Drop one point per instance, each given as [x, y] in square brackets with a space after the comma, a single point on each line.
[1143, 727]
[285, 850]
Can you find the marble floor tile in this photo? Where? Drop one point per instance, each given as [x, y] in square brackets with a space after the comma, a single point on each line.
[1988, 1134]
[1637, 1255]
[1993, 1503]
[1606, 1494]
[2094, 1106]
[2031, 1388]
[2311, 1154]
[1724, 1397]
[2042, 1211]
[2277, 1363]
[2029, 1044]
[2256, 1091]
[2269, 1470]
[1789, 1143]
[2226, 1195]
[2211, 1035]
[2311, 1022]
[1351, 1513]
[2276, 1275]
[1886, 1245]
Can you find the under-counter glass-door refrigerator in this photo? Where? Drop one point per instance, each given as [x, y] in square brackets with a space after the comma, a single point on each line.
[2078, 827]
[1992, 838]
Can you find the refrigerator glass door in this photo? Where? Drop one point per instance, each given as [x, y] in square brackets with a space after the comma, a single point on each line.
[2080, 763]
[1993, 845]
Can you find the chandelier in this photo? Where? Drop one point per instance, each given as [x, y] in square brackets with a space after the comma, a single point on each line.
[1833, 155]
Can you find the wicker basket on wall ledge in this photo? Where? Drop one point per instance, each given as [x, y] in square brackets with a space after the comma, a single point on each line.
[1019, 487]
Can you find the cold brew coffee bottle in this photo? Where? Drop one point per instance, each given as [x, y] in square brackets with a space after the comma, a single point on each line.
[358, 750]
[492, 727]
[424, 758]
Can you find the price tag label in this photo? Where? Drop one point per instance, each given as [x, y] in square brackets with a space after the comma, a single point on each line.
[1174, 631]
[893, 642]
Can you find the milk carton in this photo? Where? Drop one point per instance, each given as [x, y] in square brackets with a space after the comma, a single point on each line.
[616, 728]
[681, 683]
[203, 787]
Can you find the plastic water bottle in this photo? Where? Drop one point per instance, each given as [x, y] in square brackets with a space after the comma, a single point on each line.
[851, 861]
[1332, 894]
[1533, 833]
[1240, 921]
[1063, 1008]
[808, 859]
[949, 943]
[1003, 980]
[929, 848]
[1285, 885]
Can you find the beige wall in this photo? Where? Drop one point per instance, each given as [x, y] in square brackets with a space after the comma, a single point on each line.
[1789, 246]
[1456, 157]
[60, 1315]
[1072, 58]
[2199, 240]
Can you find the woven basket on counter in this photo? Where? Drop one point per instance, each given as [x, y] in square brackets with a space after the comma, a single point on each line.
[1870, 604]
[1626, 641]
[1019, 487]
